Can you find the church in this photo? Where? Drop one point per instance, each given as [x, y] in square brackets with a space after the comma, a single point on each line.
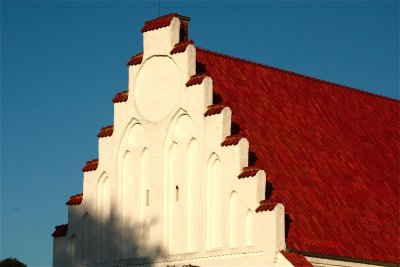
[214, 160]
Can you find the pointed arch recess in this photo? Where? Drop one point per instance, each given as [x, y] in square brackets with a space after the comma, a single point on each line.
[103, 213]
[214, 202]
[233, 220]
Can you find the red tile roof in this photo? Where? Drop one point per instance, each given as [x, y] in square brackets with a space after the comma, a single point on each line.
[75, 199]
[91, 165]
[231, 140]
[196, 79]
[61, 230]
[214, 109]
[106, 131]
[296, 259]
[161, 22]
[248, 172]
[181, 47]
[266, 205]
[135, 60]
[120, 97]
[331, 152]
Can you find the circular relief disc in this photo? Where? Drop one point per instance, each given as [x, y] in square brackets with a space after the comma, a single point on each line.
[157, 88]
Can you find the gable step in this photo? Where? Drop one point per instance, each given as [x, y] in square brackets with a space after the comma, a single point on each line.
[196, 79]
[106, 131]
[91, 165]
[75, 199]
[181, 47]
[231, 140]
[248, 172]
[135, 60]
[214, 109]
[120, 97]
[267, 205]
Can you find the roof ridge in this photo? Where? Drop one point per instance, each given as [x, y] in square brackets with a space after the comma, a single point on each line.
[297, 74]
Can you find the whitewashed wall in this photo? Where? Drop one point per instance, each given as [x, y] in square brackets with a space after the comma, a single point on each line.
[165, 191]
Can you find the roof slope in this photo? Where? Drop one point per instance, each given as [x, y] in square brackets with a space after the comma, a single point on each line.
[331, 152]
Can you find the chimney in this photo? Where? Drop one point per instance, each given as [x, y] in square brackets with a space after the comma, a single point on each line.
[161, 34]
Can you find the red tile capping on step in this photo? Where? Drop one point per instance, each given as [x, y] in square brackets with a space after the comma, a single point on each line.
[106, 131]
[214, 109]
[91, 165]
[180, 47]
[135, 60]
[297, 260]
[266, 205]
[248, 172]
[61, 230]
[159, 22]
[231, 140]
[120, 97]
[75, 199]
[196, 79]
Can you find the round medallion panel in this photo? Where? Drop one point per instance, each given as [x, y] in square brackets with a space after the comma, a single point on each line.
[157, 88]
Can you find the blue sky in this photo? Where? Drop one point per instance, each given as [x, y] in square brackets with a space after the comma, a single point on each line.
[62, 63]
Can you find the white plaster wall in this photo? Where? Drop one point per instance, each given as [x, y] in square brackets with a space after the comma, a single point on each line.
[173, 231]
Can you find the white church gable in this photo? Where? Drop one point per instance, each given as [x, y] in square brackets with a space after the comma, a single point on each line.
[165, 190]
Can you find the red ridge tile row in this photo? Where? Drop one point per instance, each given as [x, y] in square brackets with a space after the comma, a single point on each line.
[248, 172]
[266, 205]
[231, 140]
[196, 79]
[214, 109]
[120, 97]
[136, 59]
[106, 131]
[91, 165]
[297, 260]
[75, 199]
[61, 230]
[181, 47]
[159, 22]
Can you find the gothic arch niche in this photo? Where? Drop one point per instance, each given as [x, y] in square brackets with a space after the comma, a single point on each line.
[144, 198]
[249, 228]
[86, 238]
[133, 157]
[233, 220]
[193, 218]
[72, 250]
[103, 215]
[181, 156]
[214, 203]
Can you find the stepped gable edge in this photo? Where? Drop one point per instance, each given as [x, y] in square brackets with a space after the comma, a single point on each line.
[75, 199]
[306, 130]
[91, 165]
[106, 131]
[121, 97]
[61, 230]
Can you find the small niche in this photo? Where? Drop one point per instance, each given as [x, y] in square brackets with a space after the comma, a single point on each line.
[147, 197]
